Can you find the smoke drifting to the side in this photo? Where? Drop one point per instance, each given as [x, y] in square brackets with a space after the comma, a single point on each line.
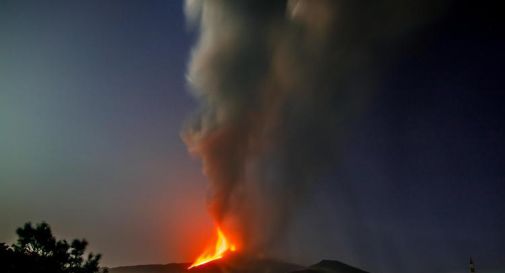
[277, 82]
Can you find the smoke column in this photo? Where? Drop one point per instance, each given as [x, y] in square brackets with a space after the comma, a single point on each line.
[277, 83]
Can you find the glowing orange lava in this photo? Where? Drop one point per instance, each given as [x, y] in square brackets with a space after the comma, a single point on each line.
[215, 252]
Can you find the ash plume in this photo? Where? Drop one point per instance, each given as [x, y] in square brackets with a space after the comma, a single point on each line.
[277, 83]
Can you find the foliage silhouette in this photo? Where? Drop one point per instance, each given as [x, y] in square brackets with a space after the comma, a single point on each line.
[38, 251]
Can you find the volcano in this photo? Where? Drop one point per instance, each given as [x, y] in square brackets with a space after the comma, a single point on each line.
[242, 264]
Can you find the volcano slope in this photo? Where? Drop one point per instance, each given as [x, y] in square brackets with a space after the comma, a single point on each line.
[240, 264]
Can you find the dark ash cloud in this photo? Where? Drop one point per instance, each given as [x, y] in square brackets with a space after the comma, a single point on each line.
[278, 82]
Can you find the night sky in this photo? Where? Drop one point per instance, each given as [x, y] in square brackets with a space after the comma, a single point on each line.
[93, 97]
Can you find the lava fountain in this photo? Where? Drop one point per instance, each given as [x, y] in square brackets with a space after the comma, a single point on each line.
[215, 251]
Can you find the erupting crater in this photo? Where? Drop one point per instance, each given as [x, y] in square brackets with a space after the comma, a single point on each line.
[215, 251]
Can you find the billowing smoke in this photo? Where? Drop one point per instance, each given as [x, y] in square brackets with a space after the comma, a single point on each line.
[278, 82]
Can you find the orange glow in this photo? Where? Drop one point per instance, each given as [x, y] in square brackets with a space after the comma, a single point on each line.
[215, 252]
